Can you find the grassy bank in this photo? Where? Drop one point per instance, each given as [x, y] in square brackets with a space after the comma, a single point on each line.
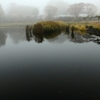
[54, 26]
[58, 26]
[16, 24]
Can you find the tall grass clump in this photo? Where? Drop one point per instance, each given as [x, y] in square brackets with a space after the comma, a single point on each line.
[63, 25]
[46, 27]
[97, 26]
[79, 27]
[37, 28]
[49, 26]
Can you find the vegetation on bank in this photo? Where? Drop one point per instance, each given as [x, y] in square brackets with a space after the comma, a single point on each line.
[49, 26]
[51, 29]
[60, 26]
[54, 26]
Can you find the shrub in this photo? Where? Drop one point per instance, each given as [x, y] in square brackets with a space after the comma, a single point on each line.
[49, 26]
[63, 25]
[37, 28]
[79, 27]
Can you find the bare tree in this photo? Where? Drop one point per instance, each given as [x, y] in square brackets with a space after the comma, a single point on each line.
[35, 11]
[60, 5]
[50, 11]
[1, 13]
[76, 9]
[12, 9]
[90, 9]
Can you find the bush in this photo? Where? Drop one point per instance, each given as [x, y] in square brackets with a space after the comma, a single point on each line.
[49, 26]
[78, 27]
[63, 25]
[37, 28]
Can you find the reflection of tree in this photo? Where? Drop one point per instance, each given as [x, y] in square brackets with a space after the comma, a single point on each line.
[2, 37]
[16, 34]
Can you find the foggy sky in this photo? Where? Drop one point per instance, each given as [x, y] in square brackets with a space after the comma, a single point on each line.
[42, 3]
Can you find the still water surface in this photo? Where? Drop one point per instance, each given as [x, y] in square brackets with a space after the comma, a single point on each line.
[62, 67]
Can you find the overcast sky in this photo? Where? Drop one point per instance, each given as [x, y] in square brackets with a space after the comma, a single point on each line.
[42, 3]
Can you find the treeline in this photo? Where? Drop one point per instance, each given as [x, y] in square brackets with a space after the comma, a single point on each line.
[54, 10]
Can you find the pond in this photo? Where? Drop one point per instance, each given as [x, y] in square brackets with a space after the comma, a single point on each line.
[59, 66]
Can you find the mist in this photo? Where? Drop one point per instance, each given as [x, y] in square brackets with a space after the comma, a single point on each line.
[35, 10]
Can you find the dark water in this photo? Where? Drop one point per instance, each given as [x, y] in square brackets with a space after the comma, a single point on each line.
[57, 67]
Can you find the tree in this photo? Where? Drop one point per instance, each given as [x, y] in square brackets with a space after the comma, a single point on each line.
[60, 5]
[22, 13]
[35, 11]
[90, 9]
[12, 9]
[50, 11]
[76, 9]
[1, 13]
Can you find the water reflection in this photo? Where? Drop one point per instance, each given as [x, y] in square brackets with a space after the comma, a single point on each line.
[72, 35]
[46, 71]
[3, 37]
[29, 34]
[18, 35]
[59, 37]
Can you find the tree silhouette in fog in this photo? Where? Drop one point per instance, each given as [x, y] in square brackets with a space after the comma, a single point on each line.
[50, 11]
[1, 13]
[20, 13]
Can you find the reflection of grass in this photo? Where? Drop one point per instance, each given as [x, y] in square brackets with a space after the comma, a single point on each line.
[51, 35]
